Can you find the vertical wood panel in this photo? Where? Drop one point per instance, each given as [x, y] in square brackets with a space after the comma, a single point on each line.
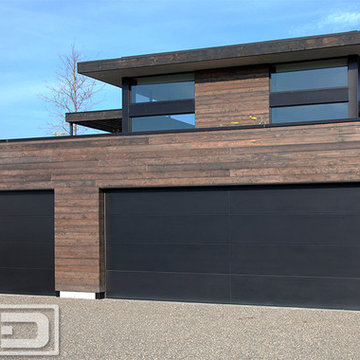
[73, 256]
[230, 96]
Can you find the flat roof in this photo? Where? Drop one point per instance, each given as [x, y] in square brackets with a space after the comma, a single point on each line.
[112, 71]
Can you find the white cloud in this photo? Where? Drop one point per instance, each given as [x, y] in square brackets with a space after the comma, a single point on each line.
[341, 19]
[335, 21]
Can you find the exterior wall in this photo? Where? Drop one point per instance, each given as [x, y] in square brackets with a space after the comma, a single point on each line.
[230, 96]
[79, 238]
[77, 168]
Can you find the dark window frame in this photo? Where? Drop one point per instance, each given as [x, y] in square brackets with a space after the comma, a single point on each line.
[162, 108]
[132, 110]
[349, 94]
[309, 97]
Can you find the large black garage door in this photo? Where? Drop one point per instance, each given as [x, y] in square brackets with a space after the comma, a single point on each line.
[283, 245]
[27, 242]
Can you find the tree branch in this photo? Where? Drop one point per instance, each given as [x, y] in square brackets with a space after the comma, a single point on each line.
[72, 92]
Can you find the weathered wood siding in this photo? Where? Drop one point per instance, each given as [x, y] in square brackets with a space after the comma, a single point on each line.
[230, 96]
[78, 168]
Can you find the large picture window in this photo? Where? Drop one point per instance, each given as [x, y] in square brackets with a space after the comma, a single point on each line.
[163, 122]
[162, 88]
[309, 75]
[309, 91]
[159, 103]
[316, 112]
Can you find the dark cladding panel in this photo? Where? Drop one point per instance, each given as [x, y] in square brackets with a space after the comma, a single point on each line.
[271, 245]
[168, 286]
[27, 242]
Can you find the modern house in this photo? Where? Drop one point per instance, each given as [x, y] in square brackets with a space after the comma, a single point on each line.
[230, 174]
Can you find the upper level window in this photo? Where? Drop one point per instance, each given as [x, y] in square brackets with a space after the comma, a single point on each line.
[163, 122]
[309, 91]
[316, 112]
[163, 88]
[309, 75]
[158, 103]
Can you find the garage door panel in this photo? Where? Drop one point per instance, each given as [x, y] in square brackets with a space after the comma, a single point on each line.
[280, 245]
[295, 291]
[18, 203]
[26, 254]
[27, 242]
[169, 286]
[169, 258]
[351, 227]
[183, 229]
[303, 199]
[167, 201]
[344, 197]
[306, 260]
[317, 228]
[27, 281]
[34, 228]
[275, 200]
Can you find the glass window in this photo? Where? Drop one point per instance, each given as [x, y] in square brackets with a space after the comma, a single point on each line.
[163, 122]
[163, 88]
[310, 75]
[309, 112]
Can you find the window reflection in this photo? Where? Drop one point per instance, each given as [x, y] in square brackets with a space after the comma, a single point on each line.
[309, 75]
[163, 122]
[309, 112]
[163, 88]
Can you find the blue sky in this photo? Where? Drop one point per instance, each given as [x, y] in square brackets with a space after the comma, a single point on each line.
[33, 33]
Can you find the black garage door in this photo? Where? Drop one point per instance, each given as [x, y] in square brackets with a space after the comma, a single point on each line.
[27, 242]
[281, 245]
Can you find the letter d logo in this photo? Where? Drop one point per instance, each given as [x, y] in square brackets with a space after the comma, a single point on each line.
[41, 321]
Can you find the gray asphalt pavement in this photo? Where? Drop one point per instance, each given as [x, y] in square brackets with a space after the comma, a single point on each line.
[122, 329]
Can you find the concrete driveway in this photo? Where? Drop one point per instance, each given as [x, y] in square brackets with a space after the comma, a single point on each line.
[122, 329]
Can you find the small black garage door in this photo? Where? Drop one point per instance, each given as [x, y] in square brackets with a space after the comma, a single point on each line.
[27, 242]
[280, 245]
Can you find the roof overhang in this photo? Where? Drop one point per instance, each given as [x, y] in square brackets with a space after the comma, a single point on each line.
[105, 120]
[268, 52]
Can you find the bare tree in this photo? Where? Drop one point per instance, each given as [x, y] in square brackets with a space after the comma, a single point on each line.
[72, 92]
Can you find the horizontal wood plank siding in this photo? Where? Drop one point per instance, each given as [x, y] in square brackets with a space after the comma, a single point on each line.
[230, 96]
[77, 239]
[78, 168]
